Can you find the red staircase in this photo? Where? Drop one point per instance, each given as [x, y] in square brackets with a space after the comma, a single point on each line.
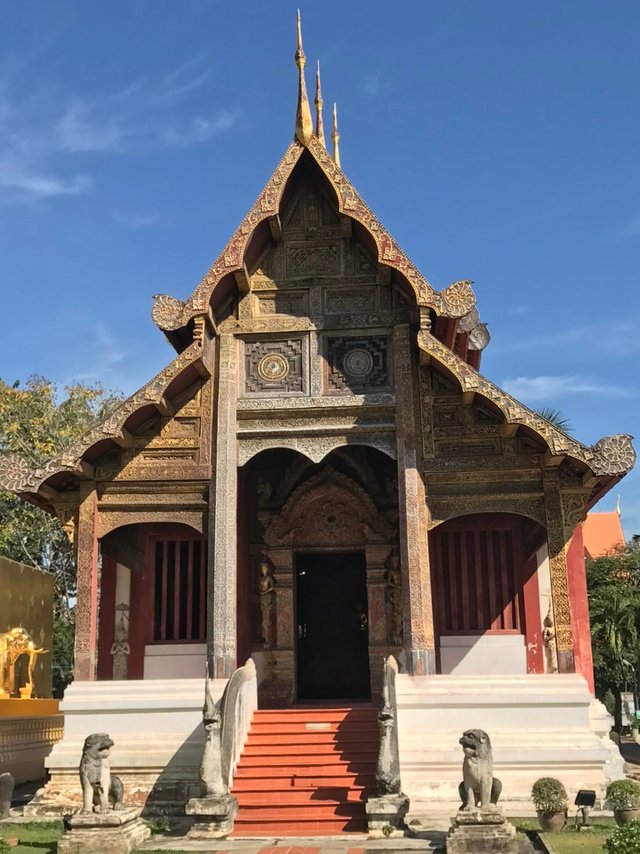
[307, 771]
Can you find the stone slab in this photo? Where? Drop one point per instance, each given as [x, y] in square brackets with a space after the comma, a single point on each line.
[115, 832]
[386, 814]
[481, 832]
[214, 817]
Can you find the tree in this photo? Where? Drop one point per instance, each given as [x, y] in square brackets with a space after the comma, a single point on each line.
[555, 417]
[36, 425]
[614, 601]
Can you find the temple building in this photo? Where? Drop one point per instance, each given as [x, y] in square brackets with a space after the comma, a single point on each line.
[319, 478]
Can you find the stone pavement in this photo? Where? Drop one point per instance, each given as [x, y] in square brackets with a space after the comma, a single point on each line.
[354, 843]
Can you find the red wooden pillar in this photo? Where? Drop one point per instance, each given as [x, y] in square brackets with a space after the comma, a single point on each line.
[577, 578]
[532, 621]
[106, 622]
[141, 610]
[87, 584]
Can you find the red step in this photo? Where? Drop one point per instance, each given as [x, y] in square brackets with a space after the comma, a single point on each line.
[307, 771]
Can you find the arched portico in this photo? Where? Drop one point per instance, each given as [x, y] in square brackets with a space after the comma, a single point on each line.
[326, 537]
[155, 572]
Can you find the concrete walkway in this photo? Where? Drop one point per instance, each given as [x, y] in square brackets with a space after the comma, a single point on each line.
[354, 843]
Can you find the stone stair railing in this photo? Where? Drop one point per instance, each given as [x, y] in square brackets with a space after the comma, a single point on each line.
[386, 812]
[239, 702]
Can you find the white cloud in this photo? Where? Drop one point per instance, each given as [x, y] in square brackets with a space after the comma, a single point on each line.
[633, 228]
[23, 180]
[371, 85]
[148, 113]
[546, 388]
[42, 134]
[135, 219]
[621, 338]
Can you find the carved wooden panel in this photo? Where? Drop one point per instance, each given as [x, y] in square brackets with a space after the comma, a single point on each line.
[292, 303]
[350, 301]
[357, 363]
[313, 260]
[275, 366]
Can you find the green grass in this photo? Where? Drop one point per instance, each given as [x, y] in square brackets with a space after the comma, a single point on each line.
[44, 835]
[569, 840]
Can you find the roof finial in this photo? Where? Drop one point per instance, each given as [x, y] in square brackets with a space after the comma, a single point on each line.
[304, 125]
[319, 104]
[335, 136]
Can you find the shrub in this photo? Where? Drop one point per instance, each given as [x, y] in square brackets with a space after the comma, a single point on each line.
[549, 795]
[624, 839]
[623, 795]
[4, 846]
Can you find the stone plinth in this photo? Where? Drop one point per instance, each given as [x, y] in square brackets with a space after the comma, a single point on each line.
[480, 831]
[214, 817]
[114, 832]
[385, 815]
[28, 731]
[157, 727]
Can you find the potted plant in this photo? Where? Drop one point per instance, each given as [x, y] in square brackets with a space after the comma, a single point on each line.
[550, 800]
[623, 797]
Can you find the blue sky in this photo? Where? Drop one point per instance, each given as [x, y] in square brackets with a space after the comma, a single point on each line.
[497, 140]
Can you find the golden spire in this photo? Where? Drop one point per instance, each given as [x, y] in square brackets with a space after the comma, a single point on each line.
[304, 125]
[335, 136]
[319, 103]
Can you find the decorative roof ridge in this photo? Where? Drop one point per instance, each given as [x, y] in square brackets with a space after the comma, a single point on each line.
[171, 314]
[611, 455]
[16, 475]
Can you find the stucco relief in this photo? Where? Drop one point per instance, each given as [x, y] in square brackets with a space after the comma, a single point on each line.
[314, 448]
[330, 509]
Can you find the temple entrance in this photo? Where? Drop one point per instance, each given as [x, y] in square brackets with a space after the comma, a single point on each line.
[332, 638]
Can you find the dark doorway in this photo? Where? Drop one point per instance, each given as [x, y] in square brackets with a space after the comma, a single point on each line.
[332, 630]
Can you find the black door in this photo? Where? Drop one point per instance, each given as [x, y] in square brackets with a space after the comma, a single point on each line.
[333, 637]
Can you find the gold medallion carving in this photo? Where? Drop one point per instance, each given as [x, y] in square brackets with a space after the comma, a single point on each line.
[273, 367]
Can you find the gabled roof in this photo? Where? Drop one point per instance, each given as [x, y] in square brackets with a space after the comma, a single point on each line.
[602, 533]
[172, 315]
[612, 456]
[39, 484]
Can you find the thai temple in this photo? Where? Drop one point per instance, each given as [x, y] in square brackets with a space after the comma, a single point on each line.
[320, 478]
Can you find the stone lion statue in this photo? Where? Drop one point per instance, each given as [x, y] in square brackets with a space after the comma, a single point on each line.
[479, 787]
[99, 788]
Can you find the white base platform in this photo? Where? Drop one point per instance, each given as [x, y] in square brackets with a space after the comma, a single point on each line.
[539, 726]
[156, 725]
[546, 725]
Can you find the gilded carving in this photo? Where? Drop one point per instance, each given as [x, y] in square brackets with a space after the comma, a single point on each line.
[457, 300]
[574, 509]
[556, 542]
[303, 261]
[329, 509]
